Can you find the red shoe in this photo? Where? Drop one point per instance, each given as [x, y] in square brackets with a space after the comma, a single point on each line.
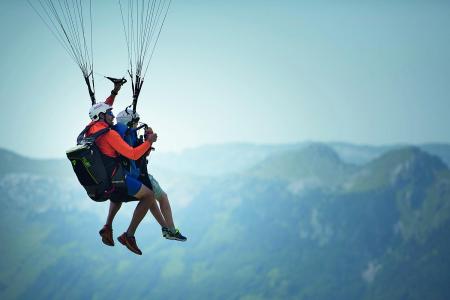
[107, 235]
[130, 242]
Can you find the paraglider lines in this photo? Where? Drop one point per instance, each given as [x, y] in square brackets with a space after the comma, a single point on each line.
[142, 25]
[66, 21]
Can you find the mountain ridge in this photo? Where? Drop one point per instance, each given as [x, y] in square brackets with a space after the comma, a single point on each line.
[249, 237]
[224, 159]
[393, 166]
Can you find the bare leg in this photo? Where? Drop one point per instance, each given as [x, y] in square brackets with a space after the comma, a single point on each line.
[106, 232]
[172, 233]
[156, 212]
[145, 196]
[166, 210]
[113, 209]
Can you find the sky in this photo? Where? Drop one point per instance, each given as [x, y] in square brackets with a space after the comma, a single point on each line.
[266, 72]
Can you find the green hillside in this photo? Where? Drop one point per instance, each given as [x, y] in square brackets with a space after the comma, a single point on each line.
[317, 163]
[14, 163]
[250, 236]
[401, 166]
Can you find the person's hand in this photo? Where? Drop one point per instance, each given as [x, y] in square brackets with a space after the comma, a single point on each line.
[152, 137]
[117, 87]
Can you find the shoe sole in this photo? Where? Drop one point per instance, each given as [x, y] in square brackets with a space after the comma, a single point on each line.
[175, 239]
[124, 242]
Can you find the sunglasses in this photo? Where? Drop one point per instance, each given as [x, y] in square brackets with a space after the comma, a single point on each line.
[110, 113]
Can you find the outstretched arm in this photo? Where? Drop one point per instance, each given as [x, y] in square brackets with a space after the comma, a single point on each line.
[116, 142]
[114, 92]
[110, 99]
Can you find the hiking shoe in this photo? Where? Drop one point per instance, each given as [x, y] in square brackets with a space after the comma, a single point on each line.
[130, 243]
[165, 232]
[175, 235]
[107, 235]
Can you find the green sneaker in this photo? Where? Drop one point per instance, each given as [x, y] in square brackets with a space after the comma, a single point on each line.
[165, 232]
[175, 235]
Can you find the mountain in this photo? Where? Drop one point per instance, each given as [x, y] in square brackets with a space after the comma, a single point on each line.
[440, 150]
[14, 163]
[217, 160]
[222, 159]
[398, 166]
[379, 233]
[360, 154]
[314, 165]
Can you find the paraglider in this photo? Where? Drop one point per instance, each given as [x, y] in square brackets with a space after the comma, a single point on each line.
[102, 159]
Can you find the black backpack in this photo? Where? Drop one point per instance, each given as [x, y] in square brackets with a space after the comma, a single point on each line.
[89, 167]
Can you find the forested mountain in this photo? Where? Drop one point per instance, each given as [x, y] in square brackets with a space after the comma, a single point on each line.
[296, 223]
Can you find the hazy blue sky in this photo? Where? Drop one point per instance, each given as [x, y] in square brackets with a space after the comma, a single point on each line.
[371, 72]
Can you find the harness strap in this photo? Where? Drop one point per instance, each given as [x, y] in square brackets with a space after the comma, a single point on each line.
[81, 137]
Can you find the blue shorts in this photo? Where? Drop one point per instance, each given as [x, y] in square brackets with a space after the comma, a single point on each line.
[133, 185]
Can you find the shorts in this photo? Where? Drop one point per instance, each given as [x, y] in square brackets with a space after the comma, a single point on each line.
[133, 185]
[156, 187]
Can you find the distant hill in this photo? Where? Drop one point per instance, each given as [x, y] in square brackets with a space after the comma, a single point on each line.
[317, 164]
[440, 150]
[379, 233]
[216, 160]
[224, 159]
[360, 154]
[396, 166]
[14, 163]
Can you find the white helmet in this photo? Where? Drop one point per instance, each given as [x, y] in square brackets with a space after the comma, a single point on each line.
[96, 109]
[126, 116]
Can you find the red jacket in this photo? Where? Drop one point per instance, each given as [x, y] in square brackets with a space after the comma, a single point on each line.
[111, 143]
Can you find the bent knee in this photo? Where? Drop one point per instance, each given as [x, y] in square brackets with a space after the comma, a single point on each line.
[163, 197]
[144, 193]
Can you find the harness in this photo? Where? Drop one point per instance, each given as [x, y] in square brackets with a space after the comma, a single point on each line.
[100, 175]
